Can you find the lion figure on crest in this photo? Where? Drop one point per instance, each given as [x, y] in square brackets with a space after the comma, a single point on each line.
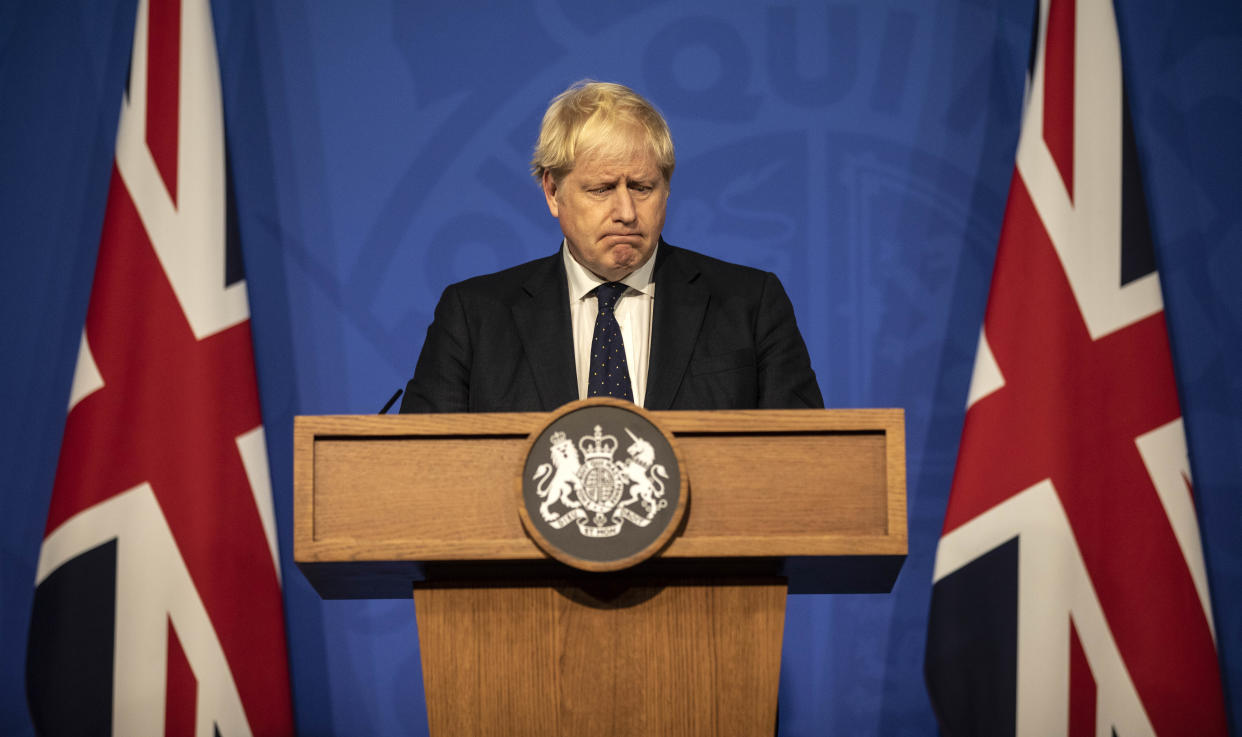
[558, 485]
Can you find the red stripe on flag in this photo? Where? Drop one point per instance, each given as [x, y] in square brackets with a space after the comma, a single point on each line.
[1059, 89]
[180, 703]
[163, 83]
[1070, 410]
[1082, 690]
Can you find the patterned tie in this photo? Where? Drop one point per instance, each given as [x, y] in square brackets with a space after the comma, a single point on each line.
[610, 374]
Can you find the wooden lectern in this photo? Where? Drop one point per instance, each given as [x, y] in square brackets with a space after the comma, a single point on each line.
[515, 643]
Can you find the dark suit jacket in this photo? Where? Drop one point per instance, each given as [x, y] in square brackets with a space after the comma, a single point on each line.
[723, 336]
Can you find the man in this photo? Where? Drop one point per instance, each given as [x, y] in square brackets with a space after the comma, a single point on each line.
[616, 311]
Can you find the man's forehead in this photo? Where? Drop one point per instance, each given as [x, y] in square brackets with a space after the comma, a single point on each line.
[632, 164]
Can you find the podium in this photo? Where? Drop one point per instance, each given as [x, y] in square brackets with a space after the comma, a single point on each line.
[687, 642]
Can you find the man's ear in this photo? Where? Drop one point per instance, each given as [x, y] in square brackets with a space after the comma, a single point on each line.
[549, 192]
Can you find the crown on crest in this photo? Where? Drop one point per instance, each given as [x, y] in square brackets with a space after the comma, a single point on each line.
[599, 446]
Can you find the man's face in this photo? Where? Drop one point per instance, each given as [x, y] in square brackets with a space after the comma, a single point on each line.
[611, 209]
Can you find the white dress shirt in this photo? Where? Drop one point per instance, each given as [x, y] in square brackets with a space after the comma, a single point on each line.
[633, 311]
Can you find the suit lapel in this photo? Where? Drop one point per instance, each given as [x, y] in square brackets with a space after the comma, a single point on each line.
[680, 304]
[541, 313]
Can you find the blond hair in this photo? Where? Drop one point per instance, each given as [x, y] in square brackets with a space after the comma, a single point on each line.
[593, 116]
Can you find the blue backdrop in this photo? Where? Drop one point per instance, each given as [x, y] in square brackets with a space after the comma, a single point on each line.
[861, 150]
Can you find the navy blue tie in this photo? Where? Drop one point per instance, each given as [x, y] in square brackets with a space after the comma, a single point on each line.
[610, 374]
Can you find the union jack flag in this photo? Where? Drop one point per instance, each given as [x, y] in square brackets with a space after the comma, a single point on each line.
[158, 604]
[1070, 596]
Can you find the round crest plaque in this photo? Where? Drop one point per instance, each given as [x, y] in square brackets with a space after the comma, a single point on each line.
[602, 485]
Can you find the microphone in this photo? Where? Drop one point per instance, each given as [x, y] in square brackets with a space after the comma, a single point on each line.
[389, 403]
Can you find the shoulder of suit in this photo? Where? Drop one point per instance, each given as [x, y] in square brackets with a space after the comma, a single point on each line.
[713, 268]
[501, 282]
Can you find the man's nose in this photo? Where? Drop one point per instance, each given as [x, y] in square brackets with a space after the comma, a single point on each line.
[623, 205]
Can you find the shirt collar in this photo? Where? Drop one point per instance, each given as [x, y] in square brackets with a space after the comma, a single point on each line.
[581, 281]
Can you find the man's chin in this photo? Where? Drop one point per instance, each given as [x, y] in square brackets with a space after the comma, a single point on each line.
[628, 258]
[620, 271]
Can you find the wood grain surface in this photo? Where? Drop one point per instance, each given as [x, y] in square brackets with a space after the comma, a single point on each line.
[512, 646]
[679, 660]
[439, 487]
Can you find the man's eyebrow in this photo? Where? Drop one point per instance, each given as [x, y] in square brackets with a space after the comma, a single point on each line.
[615, 179]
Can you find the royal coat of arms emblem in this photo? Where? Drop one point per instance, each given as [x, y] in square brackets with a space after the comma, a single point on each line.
[595, 490]
[602, 485]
